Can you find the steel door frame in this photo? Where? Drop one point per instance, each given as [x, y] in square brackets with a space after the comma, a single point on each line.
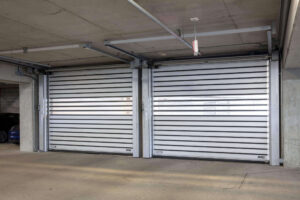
[274, 139]
[44, 110]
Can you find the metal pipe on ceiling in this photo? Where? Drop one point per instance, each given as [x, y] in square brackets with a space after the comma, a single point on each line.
[62, 47]
[206, 58]
[191, 35]
[160, 23]
[51, 48]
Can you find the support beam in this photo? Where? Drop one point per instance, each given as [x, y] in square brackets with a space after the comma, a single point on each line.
[24, 63]
[51, 48]
[124, 51]
[62, 47]
[28, 136]
[160, 23]
[90, 47]
[191, 35]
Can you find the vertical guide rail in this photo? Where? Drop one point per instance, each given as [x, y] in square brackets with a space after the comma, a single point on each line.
[274, 110]
[136, 112]
[269, 37]
[43, 113]
[147, 111]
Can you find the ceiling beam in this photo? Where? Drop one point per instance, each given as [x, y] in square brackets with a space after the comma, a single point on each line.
[62, 47]
[24, 63]
[39, 49]
[130, 54]
[90, 47]
[191, 35]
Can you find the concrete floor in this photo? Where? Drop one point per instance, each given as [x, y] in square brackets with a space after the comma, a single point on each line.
[78, 176]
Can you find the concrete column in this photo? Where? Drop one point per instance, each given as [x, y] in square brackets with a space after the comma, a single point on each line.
[291, 117]
[27, 117]
[26, 106]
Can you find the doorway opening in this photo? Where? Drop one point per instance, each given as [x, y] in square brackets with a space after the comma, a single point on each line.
[9, 117]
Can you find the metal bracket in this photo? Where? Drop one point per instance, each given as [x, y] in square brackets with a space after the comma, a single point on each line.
[21, 72]
[25, 49]
[141, 64]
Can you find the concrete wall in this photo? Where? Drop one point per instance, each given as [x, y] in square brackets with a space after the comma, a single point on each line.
[9, 100]
[27, 120]
[290, 114]
[292, 37]
[26, 106]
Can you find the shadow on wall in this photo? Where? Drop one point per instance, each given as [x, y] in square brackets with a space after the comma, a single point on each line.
[9, 100]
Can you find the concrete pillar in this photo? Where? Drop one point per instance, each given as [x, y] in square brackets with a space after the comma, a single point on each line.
[26, 107]
[27, 117]
[291, 117]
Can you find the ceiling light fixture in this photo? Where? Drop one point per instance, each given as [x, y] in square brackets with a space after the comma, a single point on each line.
[195, 41]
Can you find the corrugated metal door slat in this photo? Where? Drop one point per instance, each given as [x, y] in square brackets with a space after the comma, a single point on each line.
[90, 109]
[218, 110]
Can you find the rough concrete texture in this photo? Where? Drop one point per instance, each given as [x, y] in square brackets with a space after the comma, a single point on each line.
[9, 99]
[292, 37]
[57, 175]
[27, 114]
[35, 23]
[291, 117]
[8, 74]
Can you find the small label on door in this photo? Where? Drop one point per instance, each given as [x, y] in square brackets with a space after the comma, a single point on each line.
[158, 152]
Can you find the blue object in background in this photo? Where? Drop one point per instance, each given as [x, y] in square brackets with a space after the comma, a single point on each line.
[14, 134]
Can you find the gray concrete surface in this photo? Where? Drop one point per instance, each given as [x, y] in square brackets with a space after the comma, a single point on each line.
[28, 138]
[78, 176]
[9, 98]
[291, 117]
[8, 74]
[292, 37]
[26, 107]
[36, 23]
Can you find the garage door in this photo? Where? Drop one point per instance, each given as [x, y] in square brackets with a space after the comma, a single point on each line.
[91, 109]
[218, 110]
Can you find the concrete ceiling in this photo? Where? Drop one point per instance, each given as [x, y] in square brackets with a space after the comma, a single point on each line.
[39, 23]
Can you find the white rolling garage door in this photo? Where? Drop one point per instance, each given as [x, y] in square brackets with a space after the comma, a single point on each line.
[90, 109]
[218, 111]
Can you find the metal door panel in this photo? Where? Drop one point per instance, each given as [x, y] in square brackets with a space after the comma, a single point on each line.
[218, 110]
[91, 109]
